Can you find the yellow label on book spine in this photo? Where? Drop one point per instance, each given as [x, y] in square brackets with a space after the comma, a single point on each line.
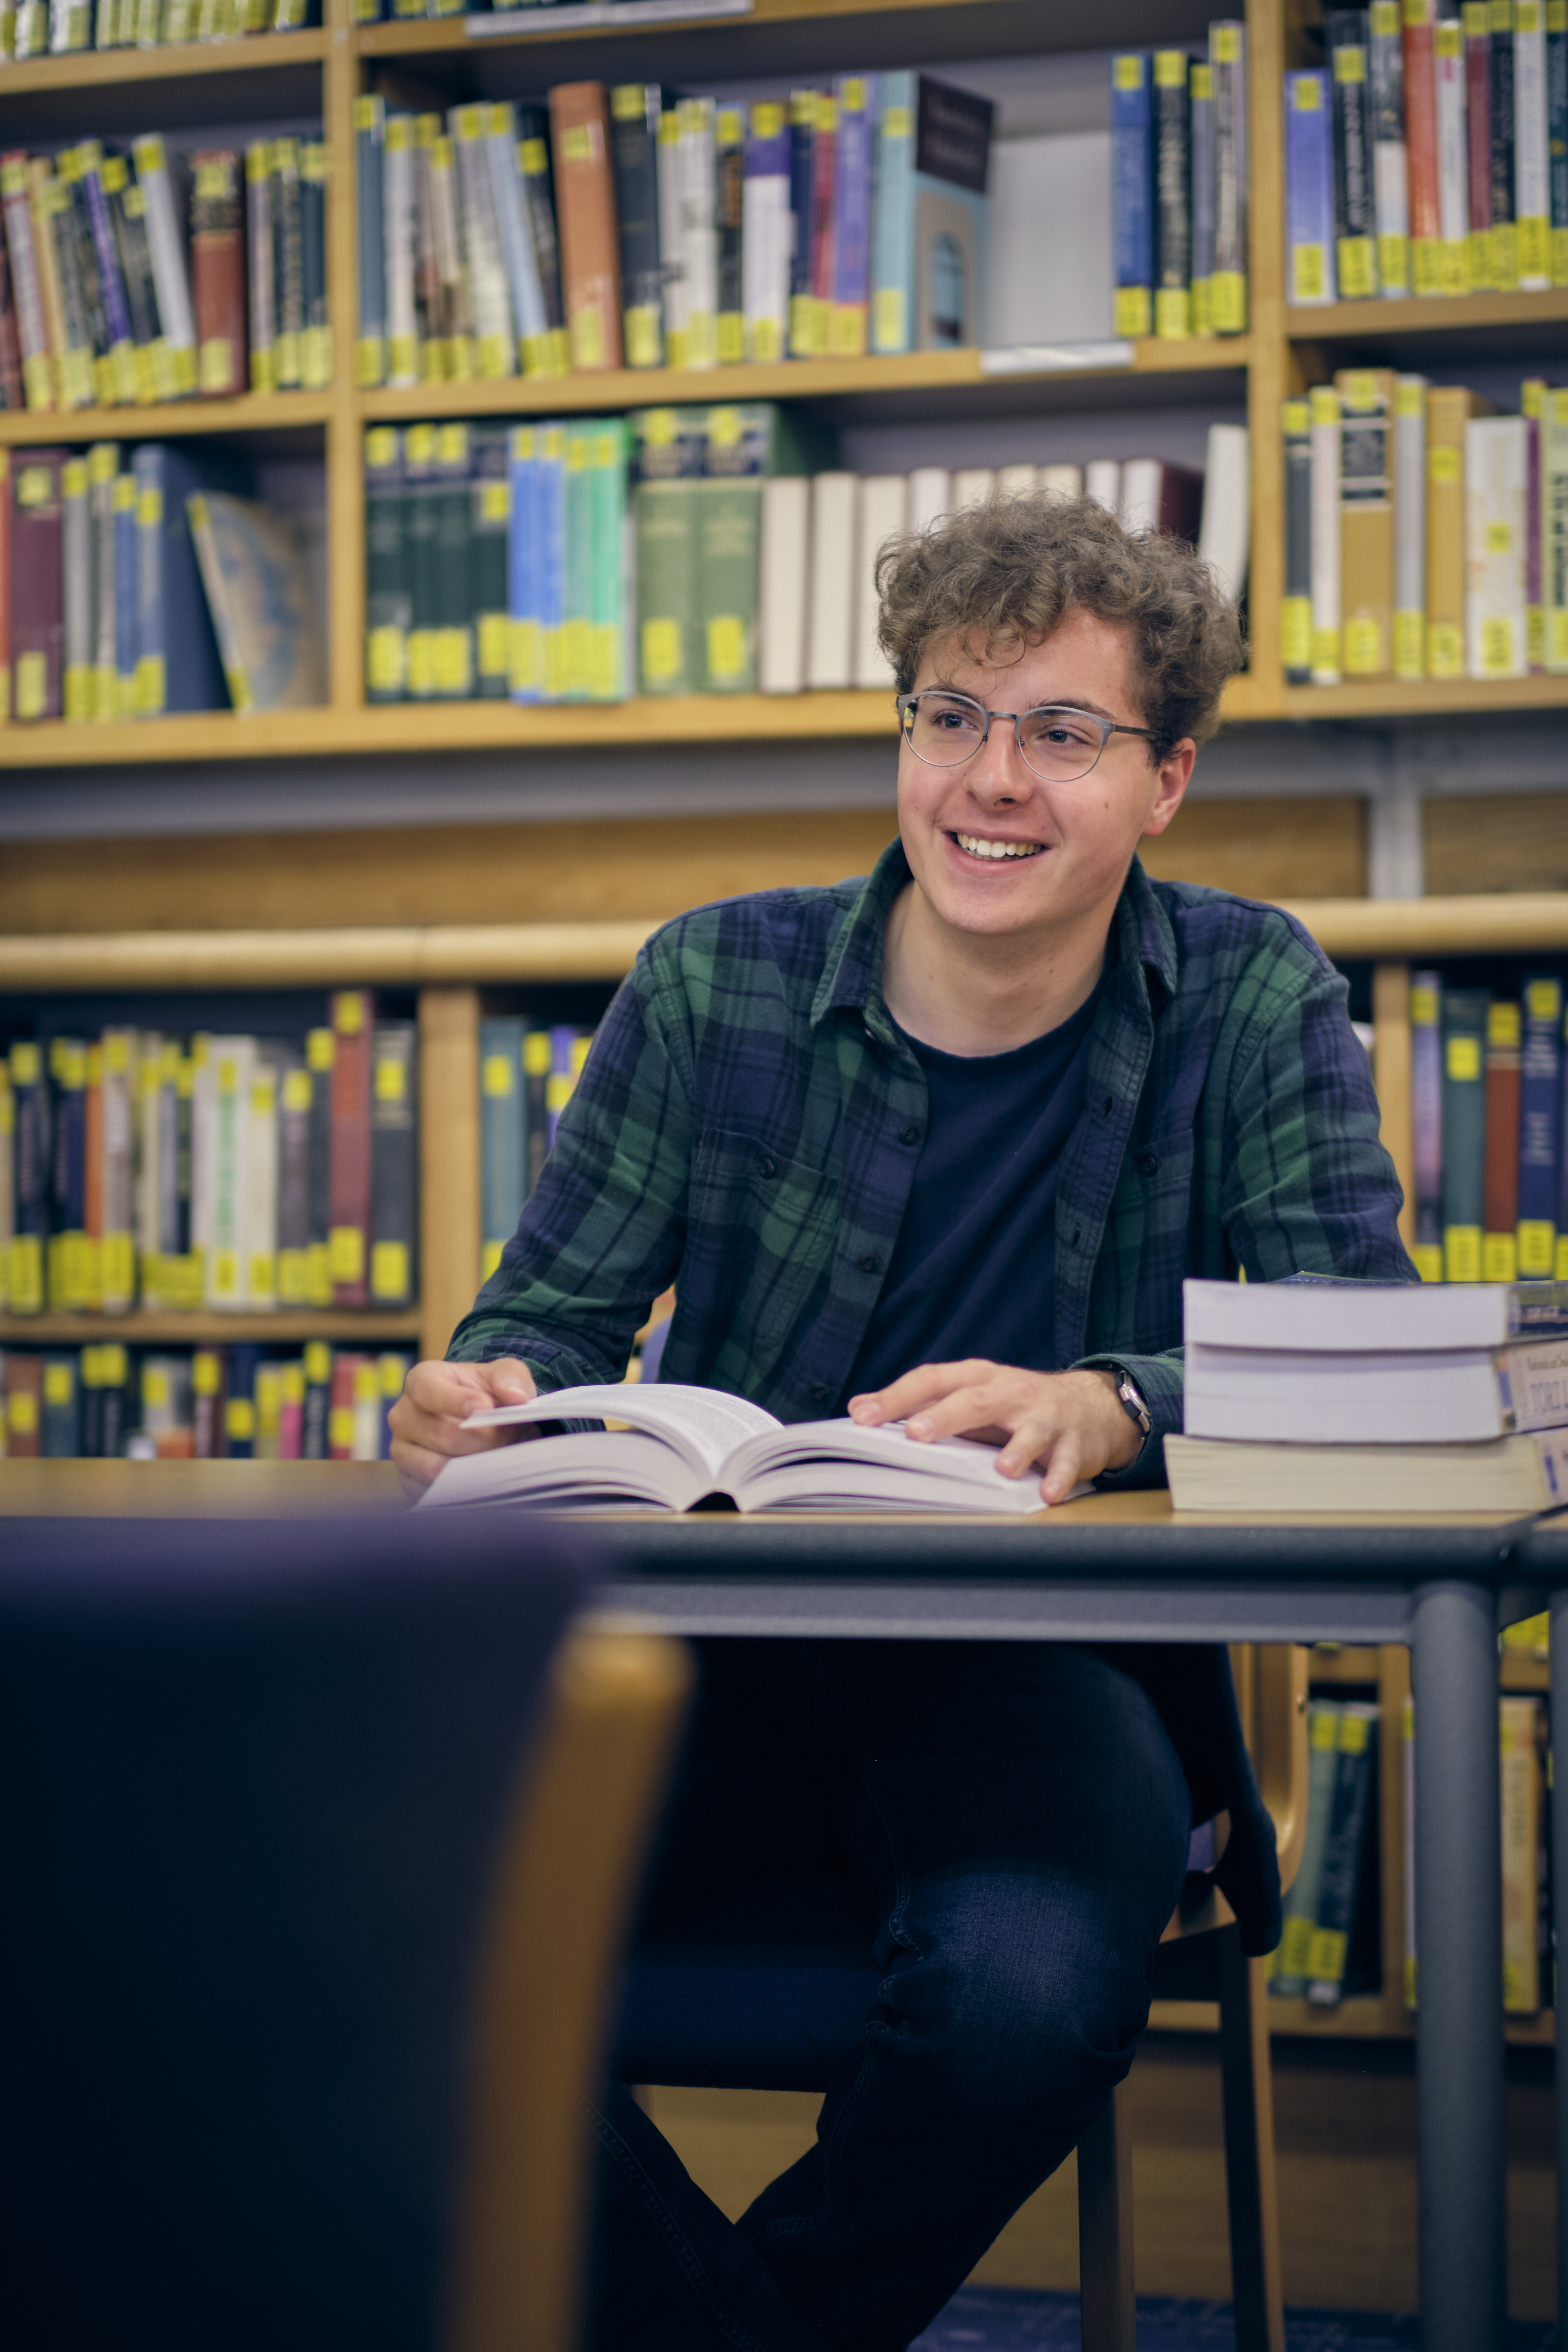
[1296, 632]
[1134, 310]
[1500, 1257]
[1445, 650]
[389, 1272]
[1536, 1242]
[1409, 636]
[1462, 1253]
[346, 1254]
[1363, 648]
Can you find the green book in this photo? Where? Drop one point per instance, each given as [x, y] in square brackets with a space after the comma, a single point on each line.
[761, 438]
[1464, 1130]
[419, 528]
[729, 523]
[666, 530]
[607, 667]
[387, 607]
[454, 647]
[490, 523]
[1288, 1975]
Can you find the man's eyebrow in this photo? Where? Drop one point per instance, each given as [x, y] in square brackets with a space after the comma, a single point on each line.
[1053, 702]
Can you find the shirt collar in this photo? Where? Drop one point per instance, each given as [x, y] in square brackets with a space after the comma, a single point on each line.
[852, 976]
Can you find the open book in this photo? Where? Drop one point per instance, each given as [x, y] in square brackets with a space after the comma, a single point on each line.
[682, 1443]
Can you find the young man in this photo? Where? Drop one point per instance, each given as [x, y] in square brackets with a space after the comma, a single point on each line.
[940, 1146]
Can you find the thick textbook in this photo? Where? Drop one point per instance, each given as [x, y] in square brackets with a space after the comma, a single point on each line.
[1316, 1312]
[1133, 192]
[1511, 1474]
[1449, 1396]
[682, 1443]
[1310, 276]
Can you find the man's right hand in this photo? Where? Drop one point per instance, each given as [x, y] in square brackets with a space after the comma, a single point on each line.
[428, 1420]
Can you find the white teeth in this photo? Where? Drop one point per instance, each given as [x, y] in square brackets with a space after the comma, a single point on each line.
[976, 848]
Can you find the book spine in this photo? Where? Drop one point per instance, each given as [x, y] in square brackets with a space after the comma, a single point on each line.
[1476, 24]
[1539, 1118]
[766, 237]
[585, 204]
[1426, 1121]
[730, 220]
[394, 1145]
[151, 377]
[490, 529]
[102, 473]
[1499, 1198]
[24, 1387]
[1522, 1745]
[287, 263]
[501, 1138]
[538, 189]
[1309, 190]
[37, 365]
[1385, 60]
[71, 338]
[37, 616]
[60, 1419]
[1356, 218]
[1447, 408]
[316, 1409]
[571, 683]
[1531, 156]
[634, 113]
[666, 525]
[729, 519]
[233, 1063]
[321, 1054]
[295, 1088]
[609, 569]
[369, 342]
[352, 1021]
[454, 646]
[398, 225]
[1200, 107]
[76, 250]
[1227, 65]
[121, 351]
[1410, 526]
[1553, 468]
[1531, 408]
[1330, 1948]
[855, 108]
[1421, 144]
[802, 198]
[1366, 520]
[456, 310]
[1504, 272]
[495, 336]
[824, 219]
[1296, 605]
[218, 272]
[1464, 1014]
[176, 318]
[316, 338]
[420, 527]
[525, 627]
[76, 589]
[508, 202]
[550, 522]
[892, 219]
[1496, 471]
[258, 222]
[671, 249]
[1172, 197]
[1557, 133]
[1133, 193]
[340, 1407]
[260, 1238]
[1453, 164]
[699, 229]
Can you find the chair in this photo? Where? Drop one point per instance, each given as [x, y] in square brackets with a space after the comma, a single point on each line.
[725, 2002]
[317, 1842]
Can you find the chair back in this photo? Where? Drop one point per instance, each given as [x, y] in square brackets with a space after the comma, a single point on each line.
[253, 1782]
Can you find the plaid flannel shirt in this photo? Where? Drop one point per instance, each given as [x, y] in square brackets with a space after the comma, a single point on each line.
[749, 1121]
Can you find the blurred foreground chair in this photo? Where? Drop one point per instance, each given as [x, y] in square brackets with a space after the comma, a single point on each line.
[728, 1999]
[317, 1842]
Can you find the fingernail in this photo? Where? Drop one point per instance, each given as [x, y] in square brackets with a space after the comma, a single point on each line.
[919, 1427]
[862, 1409]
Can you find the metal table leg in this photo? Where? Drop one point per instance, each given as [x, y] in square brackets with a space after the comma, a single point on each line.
[1459, 2055]
[1559, 1880]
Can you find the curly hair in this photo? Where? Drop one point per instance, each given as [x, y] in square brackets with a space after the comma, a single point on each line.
[1007, 572]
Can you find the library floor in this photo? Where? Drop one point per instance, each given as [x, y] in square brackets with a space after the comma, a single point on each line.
[1011, 2319]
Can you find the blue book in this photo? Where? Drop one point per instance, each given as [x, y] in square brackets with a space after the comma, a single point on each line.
[1133, 192]
[60, 1438]
[802, 185]
[1539, 1118]
[239, 1405]
[503, 1136]
[893, 219]
[550, 524]
[855, 99]
[1309, 273]
[370, 140]
[177, 662]
[939, 237]
[525, 623]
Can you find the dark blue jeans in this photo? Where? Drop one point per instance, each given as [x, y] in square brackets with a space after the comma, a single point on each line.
[1018, 1820]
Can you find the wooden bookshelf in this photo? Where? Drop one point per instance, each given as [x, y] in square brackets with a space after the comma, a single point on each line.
[175, 61]
[1425, 315]
[148, 1329]
[254, 412]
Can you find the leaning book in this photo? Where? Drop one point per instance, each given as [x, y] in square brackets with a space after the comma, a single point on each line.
[681, 1445]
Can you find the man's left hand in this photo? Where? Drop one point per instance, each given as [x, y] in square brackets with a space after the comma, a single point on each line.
[1073, 1424]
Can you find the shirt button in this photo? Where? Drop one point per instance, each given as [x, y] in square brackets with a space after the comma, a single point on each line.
[766, 1166]
[869, 1262]
[820, 1393]
[908, 1135]
[1147, 1163]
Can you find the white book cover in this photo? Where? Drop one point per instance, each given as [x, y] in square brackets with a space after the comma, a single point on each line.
[971, 485]
[766, 224]
[1061, 481]
[528, 312]
[166, 246]
[931, 495]
[230, 1062]
[1327, 608]
[831, 637]
[1453, 158]
[884, 506]
[1224, 531]
[261, 1186]
[1015, 481]
[671, 244]
[782, 568]
[1532, 152]
[1338, 1317]
[1436, 1396]
[1497, 467]
[1143, 485]
[699, 231]
[397, 223]
[1553, 430]
[1102, 483]
[1410, 526]
[495, 337]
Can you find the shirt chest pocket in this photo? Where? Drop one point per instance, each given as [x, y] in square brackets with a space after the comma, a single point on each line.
[775, 1219]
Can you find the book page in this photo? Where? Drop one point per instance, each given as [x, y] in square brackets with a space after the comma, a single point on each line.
[702, 1426]
[948, 1473]
[604, 1470]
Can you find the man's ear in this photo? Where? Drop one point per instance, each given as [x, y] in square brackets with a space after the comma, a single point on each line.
[1175, 773]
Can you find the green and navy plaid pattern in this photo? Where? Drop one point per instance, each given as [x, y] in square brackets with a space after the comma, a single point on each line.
[749, 1121]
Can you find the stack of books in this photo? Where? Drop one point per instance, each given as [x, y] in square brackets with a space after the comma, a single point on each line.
[1320, 1395]
[36, 28]
[107, 1402]
[1178, 187]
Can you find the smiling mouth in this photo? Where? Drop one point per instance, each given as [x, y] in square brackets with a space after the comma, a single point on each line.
[974, 845]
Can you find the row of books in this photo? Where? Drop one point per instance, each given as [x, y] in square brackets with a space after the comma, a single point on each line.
[130, 278]
[227, 1171]
[1432, 155]
[1529, 1912]
[1487, 1110]
[36, 28]
[1178, 200]
[512, 562]
[1424, 537]
[138, 582]
[527, 1075]
[202, 1405]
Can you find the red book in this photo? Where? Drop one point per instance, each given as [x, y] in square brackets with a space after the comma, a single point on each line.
[1421, 144]
[1499, 1195]
[353, 1014]
[35, 622]
[24, 1404]
[1479, 141]
[217, 271]
[4, 585]
[341, 1409]
[209, 1396]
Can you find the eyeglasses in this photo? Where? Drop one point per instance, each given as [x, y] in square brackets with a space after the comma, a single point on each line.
[1057, 741]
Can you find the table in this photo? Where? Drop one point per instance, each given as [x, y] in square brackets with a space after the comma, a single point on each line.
[1125, 1567]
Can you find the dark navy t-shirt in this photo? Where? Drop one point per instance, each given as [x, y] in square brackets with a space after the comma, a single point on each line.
[973, 1268]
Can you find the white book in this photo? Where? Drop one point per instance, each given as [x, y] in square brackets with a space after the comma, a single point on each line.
[766, 227]
[102, 472]
[1061, 481]
[671, 244]
[699, 231]
[1015, 481]
[1553, 428]
[1452, 157]
[1224, 531]
[971, 485]
[230, 1062]
[1327, 608]
[1509, 1475]
[1410, 526]
[1373, 1397]
[931, 495]
[490, 306]
[397, 223]
[1370, 1318]
[148, 1146]
[117, 1114]
[1102, 483]
[1497, 470]
[884, 506]
[1532, 152]
[830, 640]
[203, 1140]
[518, 259]
[261, 1186]
[783, 560]
[681, 1443]
[166, 246]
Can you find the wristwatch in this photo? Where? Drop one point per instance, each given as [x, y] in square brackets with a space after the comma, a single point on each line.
[1132, 1399]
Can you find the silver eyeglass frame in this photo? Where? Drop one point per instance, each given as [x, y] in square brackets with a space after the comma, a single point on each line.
[907, 704]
